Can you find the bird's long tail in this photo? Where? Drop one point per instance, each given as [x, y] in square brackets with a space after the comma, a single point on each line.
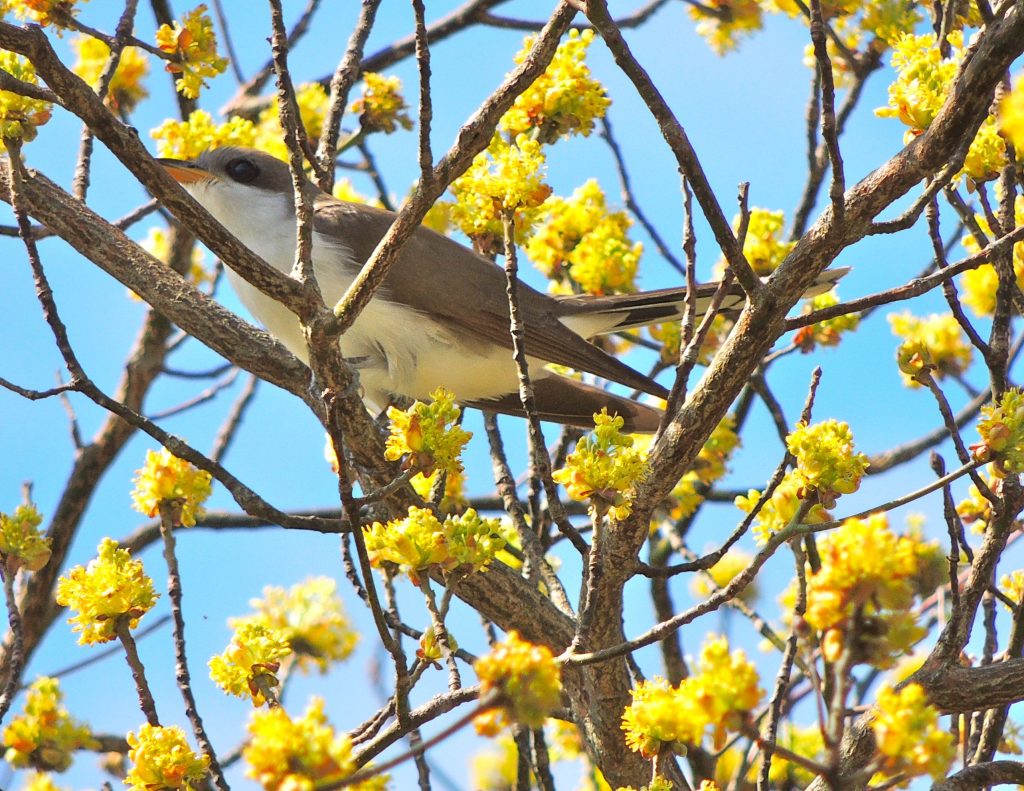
[573, 403]
[601, 315]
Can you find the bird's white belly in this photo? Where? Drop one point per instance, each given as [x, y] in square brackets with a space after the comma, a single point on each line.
[395, 348]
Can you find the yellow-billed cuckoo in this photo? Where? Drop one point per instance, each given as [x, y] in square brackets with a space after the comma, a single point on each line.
[441, 316]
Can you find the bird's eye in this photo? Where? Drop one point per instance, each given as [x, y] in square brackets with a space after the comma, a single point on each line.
[242, 170]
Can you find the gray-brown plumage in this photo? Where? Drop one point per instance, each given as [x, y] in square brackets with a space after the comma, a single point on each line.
[441, 317]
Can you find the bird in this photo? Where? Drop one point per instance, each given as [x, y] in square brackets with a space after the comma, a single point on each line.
[441, 317]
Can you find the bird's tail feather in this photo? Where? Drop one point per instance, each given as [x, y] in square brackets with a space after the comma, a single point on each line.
[563, 400]
[600, 315]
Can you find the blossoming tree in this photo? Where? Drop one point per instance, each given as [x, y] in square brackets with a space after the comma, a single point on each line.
[893, 657]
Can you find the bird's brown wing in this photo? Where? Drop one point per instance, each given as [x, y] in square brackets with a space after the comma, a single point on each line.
[440, 277]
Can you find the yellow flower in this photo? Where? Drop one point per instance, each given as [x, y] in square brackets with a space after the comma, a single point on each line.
[669, 335]
[313, 101]
[1011, 116]
[428, 433]
[161, 759]
[564, 100]
[826, 464]
[430, 648]
[507, 176]
[310, 617]
[721, 22]
[45, 736]
[526, 678]
[126, 89]
[935, 342]
[763, 245]
[188, 139]
[454, 497]
[195, 43]
[111, 587]
[1013, 585]
[43, 12]
[922, 84]
[157, 245]
[21, 544]
[381, 108]
[39, 781]
[420, 541]
[908, 735]
[980, 285]
[865, 587]
[165, 477]
[296, 755]
[604, 468]
[720, 695]
[781, 508]
[20, 115]
[1002, 434]
[708, 468]
[827, 332]
[496, 769]
[249, 664]
[583, 246]
[722, 573]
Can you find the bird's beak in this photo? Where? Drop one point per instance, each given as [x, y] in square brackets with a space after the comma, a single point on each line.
[186, 172]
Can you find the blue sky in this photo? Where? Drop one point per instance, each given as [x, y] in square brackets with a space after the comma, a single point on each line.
[745, 116]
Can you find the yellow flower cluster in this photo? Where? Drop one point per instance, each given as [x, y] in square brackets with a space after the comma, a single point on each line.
[157, 244]
[454, 497]
[430, 647]
[763, 245]
[709, 467]
[580, 245]
[188, 139]
[297, 755]
[804, 741]
[126, 86]
[164, 477]
[1013, 585]
[660, 783]
[722, 573]
[43, 12]
[310, 617]
[428, 433]
[781, 509]
[312, 100]
[935, 343]
[908, 735]
[161, 759]
[194, 42]
[827, 332]
[669, 335]
[40, 781]
[45, 736]
[980, 285]
[1002, 434]
[527, 679]
[922, 84]
[21, 543]
[420, 541]
[975, 509]
[1011, 117]
[718, 697]
[564, 100]
[722, 22]
[826, 464]
[507, 176]
[604, 468]
[861, 597]
[111, 587]
[381, 108]
[250, 663]
[20, 115]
